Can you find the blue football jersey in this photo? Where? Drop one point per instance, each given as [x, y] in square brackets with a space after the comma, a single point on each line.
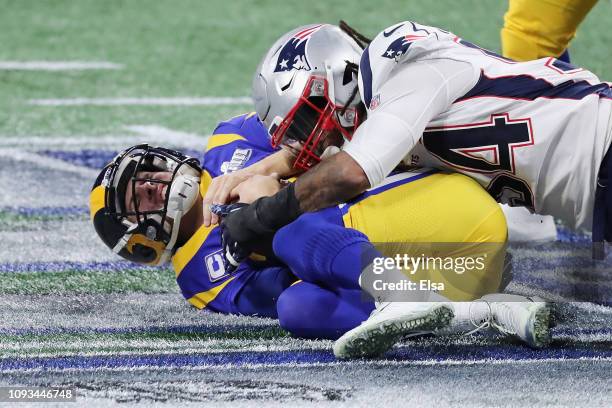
[198, 264]
[236, 143]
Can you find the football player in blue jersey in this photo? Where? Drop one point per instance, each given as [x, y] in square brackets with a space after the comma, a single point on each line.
[147, 206]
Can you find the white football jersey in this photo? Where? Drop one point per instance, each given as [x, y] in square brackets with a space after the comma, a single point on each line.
[532, 133]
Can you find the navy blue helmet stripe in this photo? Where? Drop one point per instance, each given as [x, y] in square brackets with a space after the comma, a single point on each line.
[529, 88]
[415, 29]
[366, 76]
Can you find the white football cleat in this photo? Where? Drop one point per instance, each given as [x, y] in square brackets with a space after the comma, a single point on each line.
[525, 318]
[388, 323]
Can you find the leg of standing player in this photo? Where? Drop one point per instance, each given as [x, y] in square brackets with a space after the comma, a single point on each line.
[537, 29]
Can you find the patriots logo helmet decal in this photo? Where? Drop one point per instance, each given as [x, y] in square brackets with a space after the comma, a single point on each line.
[400, 46]
[292, 55]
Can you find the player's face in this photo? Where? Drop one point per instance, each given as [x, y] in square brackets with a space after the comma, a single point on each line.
[333, 138]
[149, 191]
[318, 150]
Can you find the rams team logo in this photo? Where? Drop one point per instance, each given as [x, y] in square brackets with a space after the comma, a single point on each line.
[293, 54]
[399, 47]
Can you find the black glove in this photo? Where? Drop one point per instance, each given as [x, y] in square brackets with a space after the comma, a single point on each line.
[249, 228]
[233, 253]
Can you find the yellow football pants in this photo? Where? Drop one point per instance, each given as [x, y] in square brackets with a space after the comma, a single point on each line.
[541, 28]
[446, 220]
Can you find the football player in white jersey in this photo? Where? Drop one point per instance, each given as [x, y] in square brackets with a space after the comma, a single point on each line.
[534, 134]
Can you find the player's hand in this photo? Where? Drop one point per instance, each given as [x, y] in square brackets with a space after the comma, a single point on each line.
[233, 252]
[256, 187]
[220, 192]
[242, 232]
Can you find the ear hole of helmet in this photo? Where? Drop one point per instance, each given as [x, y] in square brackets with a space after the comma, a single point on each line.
[146, 253]
[140, 253]
[142, 248]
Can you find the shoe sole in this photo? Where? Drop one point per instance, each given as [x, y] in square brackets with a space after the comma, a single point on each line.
[539, 328]
[373, 341]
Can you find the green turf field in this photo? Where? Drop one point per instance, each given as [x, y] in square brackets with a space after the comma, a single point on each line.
[72, 313]
[194, 48]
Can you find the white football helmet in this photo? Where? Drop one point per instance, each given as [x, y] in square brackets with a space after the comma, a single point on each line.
[305, 89]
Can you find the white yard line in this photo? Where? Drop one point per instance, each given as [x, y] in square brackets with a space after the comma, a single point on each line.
[176, 101]
[458, 362]
[47, 162]
[167, 351]
[162, 135]
[57, 65]
[153, 134]
[77, 141]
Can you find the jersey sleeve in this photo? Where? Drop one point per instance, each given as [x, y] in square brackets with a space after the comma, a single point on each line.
[201, 274]
[395, 47]
[405, 103]
[235, 144]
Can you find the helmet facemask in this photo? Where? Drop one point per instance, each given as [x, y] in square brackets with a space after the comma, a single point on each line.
[155, 231]
[313, 124]
[305, 91]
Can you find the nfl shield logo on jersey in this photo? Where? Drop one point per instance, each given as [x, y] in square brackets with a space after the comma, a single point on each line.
[375, 102]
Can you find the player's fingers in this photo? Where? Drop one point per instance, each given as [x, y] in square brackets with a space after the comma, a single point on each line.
[220, 192]
[209, 217]
[235, 193]
[220, 195]
[214, 219]
[207, 214]
[224, 194]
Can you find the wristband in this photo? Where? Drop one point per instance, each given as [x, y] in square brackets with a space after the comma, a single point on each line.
[279, 210]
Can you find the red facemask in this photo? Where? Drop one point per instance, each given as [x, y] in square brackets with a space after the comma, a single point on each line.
[309, 123]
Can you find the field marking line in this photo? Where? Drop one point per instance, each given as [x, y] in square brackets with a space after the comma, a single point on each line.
[169, 136]
[47, 162]
[145, 101]
[388, 363]
[108, 142]
[57, 65]
[153, 134]
[140, 347]
[162, 350]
